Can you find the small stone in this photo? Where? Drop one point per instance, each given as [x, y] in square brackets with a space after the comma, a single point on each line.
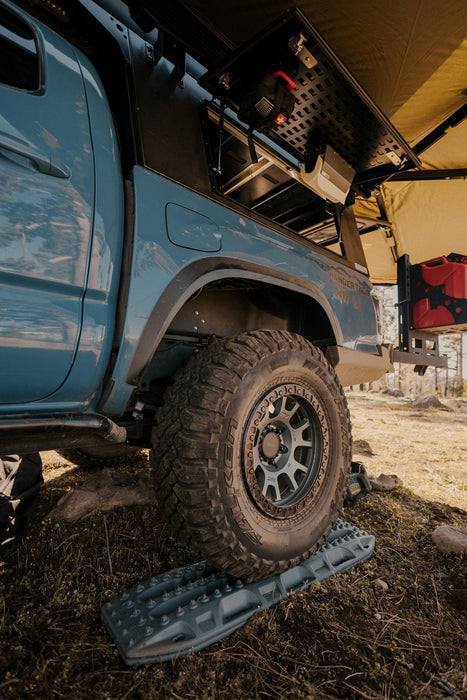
[450, 539]
[392, 392]
[382, 585]
[429, 401]
[362, 447]
[385, 482]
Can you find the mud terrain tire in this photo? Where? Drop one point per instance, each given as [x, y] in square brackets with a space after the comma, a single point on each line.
[252, 451]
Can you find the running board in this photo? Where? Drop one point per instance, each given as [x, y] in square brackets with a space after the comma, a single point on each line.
[187, 609]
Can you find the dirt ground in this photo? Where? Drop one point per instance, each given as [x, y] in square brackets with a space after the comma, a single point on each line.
[392, 628]
[426, 448]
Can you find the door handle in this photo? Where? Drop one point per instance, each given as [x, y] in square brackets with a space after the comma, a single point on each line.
[43, 164]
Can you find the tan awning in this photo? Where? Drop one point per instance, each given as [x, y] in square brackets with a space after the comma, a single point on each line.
[411, 58]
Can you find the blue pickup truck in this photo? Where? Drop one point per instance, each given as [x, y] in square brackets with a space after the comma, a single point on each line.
[179, 272]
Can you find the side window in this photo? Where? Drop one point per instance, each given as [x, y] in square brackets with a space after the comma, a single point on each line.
[19, 59]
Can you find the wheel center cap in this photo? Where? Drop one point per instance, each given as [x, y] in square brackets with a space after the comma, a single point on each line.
[270, 446]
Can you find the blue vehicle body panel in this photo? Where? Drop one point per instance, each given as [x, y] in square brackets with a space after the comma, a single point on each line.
[84, 382]
[60, 235]
[165, 275]
[45, 227]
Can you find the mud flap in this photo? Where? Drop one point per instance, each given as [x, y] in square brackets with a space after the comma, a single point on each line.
[187, 609]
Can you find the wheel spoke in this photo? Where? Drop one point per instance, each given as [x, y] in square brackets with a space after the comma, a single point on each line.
[301, 427]
[303, 443]
[297, 435]
[293, 466]
[270, 482]
[280, 406]
[291, 479]
[291, 411]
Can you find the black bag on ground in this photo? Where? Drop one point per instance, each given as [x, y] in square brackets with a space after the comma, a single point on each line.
[20, 481]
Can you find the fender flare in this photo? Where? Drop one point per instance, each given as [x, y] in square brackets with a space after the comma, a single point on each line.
[197, 275]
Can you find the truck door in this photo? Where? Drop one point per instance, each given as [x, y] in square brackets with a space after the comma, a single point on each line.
[46, 207]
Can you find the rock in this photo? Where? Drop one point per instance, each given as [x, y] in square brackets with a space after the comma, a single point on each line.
[103, 491]
[382, 585]
[429, 401]
[362, 447]
[392, 392]
[398, 393]
[385, 482]
[450, 539]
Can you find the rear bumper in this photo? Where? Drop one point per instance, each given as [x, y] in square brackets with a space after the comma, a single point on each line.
[357, 367]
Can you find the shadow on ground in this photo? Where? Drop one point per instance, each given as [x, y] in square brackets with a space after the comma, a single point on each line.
[347, 638]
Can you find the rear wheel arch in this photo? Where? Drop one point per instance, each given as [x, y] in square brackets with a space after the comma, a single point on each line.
[228, 304]
[254, 305]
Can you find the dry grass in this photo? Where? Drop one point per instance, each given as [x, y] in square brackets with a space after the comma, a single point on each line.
[345, 638]
[425, 448]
